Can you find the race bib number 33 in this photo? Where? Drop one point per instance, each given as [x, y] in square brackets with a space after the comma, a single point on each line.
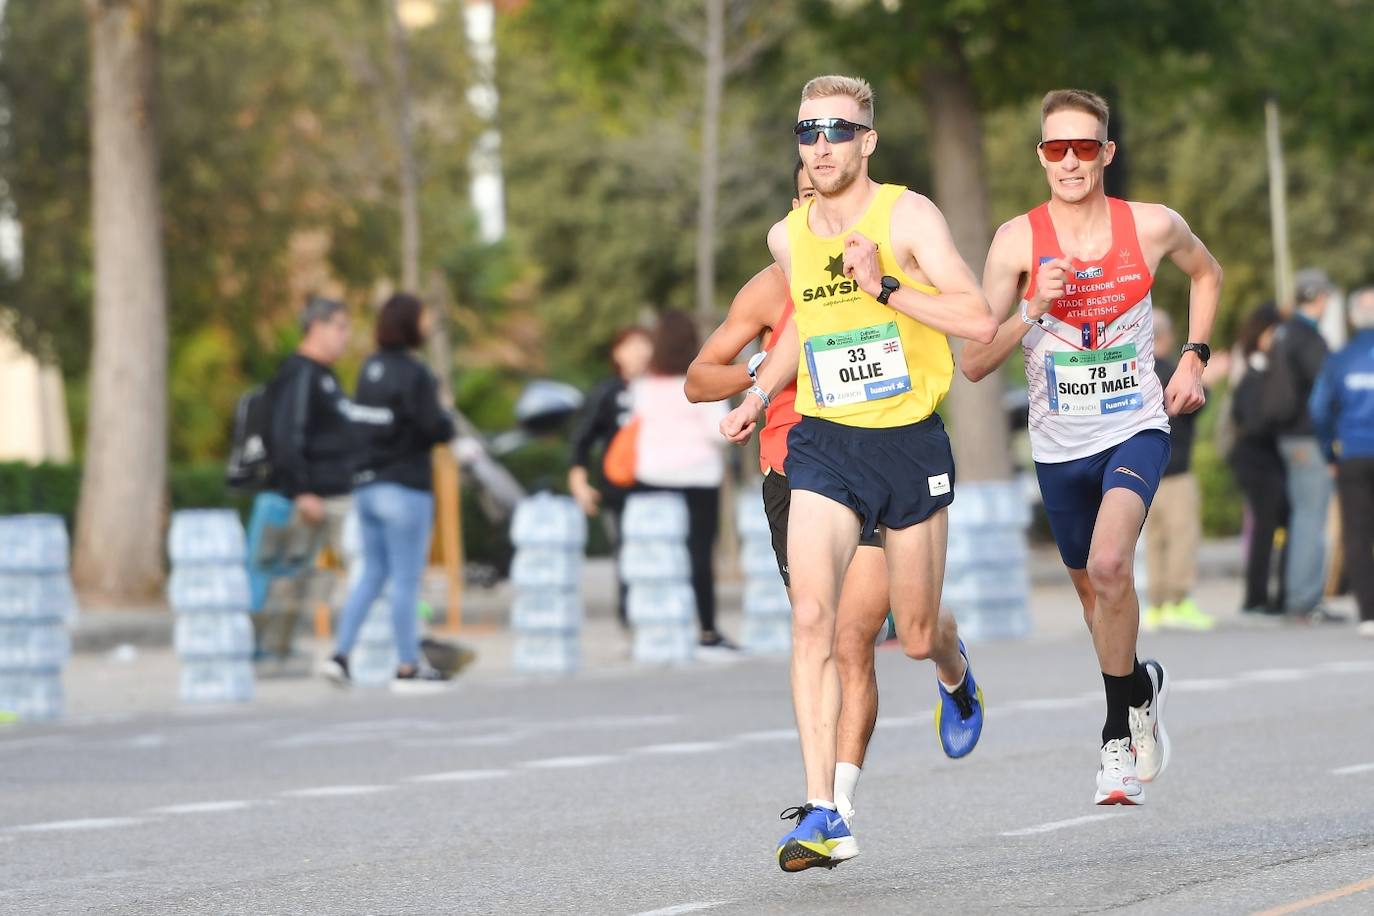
[863, 364]
[1085, 383]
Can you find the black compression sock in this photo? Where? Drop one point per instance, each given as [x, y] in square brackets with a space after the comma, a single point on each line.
[1142, 691]
[1118, 724]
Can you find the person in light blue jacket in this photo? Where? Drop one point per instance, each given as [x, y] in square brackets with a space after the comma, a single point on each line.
[1342, 410]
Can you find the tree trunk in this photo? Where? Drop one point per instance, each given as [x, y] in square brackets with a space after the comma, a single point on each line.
[978, 424]
[405, 142]
[710, 163]
[121, 512]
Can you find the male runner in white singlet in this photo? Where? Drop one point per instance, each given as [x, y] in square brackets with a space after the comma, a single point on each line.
[1081, 266]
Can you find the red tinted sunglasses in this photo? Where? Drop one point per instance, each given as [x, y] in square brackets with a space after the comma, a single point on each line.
[1085, 150]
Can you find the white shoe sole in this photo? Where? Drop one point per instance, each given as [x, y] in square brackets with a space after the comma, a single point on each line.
[1162, 739]
[845, 849]
[1119, 797]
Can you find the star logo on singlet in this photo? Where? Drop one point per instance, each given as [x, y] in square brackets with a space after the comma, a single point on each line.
[836, 266]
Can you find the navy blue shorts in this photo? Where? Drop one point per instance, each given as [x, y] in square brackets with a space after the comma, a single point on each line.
[895, 477]
[1072, 491]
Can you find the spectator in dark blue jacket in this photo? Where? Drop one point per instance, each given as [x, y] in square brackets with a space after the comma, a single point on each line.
[400, 419]
[1342, 408]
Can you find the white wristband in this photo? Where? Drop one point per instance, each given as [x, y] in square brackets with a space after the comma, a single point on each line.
[1025, 314]
[763, 395]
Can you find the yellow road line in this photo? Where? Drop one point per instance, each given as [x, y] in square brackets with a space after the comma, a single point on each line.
[1319, 899]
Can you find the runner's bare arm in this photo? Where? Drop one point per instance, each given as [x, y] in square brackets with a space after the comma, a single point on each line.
[714, 375]
[1166, 229]
[1003, 271]
[921, 236]
[777, 372]
[780, 248]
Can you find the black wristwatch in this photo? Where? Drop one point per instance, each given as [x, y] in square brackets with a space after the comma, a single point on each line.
[1203, 351]
[890, 286]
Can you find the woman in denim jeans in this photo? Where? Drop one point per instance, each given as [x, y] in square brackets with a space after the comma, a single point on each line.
[399, 419]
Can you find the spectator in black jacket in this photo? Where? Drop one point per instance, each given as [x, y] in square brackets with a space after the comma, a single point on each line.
[400, 420]
[1257, 465]
[1297, 357]
[312, 448]
[607, 409]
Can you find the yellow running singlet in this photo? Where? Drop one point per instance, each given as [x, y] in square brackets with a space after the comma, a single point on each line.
[862, 363]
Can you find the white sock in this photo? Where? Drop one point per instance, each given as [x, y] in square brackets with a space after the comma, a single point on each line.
[821, 803]
[950, 689]
[846, 785]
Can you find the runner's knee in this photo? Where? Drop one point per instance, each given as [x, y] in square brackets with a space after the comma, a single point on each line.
[812, 625]
[918, 638]
[1110, 573]
[854, 653]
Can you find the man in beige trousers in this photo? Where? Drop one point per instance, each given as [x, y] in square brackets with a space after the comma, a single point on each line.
[1173, 529]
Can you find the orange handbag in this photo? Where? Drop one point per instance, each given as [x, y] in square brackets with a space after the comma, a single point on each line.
[622, 455]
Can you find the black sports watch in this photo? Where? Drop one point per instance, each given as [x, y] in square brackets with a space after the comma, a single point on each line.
[890, 286]
[1203, 351]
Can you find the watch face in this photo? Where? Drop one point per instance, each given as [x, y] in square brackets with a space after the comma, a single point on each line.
[890, 283]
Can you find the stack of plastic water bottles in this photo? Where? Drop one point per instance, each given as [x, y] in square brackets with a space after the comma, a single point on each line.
[767, 609]
[987, 585]
[656, 566]
[373, 661]
[209, 593]
[550, 537]
[36, 604]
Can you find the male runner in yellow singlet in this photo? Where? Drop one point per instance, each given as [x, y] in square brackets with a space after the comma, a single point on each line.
[1081, 266]
[877, 284]
[763, 305]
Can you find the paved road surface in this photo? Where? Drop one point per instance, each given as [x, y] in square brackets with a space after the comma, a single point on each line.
[636, 791]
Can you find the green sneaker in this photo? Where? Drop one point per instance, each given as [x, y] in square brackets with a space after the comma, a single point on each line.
[1153, 618]
[1186, 615]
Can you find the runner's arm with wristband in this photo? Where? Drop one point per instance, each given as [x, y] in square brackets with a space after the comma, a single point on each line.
[1004, 271]
[1158, 225]
[777, 372]
[714, 375]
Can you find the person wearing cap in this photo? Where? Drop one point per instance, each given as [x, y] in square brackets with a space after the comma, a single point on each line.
[1342, 408]
[1298, 354]
[313, 446]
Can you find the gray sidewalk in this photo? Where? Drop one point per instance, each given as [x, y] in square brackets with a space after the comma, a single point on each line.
[128, 667]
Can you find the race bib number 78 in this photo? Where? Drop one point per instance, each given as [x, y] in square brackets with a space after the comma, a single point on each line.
[1086, 383]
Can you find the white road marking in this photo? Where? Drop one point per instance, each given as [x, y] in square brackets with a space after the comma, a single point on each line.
[1201, 684]
[556, 763]
[1353, 770]
[1356, 667]
[473, 741]
[1276, 675]
[898, 721]
[89, 823]
[772, 734]
[460, 776]
[336, 791]
[145, 741]
[1058, 825]
[1051, 704]
[214, 807]
[684, 908]
[682, 747]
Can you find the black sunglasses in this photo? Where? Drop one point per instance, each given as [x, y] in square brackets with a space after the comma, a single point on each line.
[836, 130]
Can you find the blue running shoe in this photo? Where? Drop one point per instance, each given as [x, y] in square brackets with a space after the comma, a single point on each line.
[821, 840]
[959, 717]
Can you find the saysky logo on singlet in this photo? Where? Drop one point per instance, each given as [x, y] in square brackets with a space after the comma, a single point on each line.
[842, 287]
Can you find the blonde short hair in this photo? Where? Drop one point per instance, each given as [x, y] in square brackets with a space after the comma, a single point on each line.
[824, 87]
[1075, 100]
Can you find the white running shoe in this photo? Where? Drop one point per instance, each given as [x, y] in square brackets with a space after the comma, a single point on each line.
[1117, 783]
[1148, 736]
[1366, 629]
